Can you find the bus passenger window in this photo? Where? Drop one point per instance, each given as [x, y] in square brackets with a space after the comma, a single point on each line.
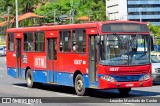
[39, 41]
[55, 49]
[79, 40]
[28, 41]
[65, 41]
[11, 42]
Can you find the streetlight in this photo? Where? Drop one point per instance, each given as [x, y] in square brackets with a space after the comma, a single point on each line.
[8, 16]
[73, 9]
[107, 16]
[72, 13]
[16, 2]
[55, 16]
[140, 17]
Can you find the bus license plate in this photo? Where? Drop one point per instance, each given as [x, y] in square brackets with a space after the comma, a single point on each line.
[129, 85]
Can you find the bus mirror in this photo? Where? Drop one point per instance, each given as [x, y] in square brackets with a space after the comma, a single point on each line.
[152, 45]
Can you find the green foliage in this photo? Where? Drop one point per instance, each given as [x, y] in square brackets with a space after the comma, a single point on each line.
[95, 9]
[24, 6]
[156, 32]
[7, 7]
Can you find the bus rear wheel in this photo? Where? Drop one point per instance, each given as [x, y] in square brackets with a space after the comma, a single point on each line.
[79, 85]
[29, 79]
[124, 91]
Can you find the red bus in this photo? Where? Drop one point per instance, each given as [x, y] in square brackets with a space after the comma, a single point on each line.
[100, 55]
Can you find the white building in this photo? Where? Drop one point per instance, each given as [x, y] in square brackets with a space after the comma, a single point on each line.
[135, 10]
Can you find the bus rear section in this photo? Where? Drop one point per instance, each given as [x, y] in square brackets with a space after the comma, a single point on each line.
[102, 55]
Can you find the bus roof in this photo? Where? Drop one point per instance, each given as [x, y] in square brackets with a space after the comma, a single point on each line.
[68, 26]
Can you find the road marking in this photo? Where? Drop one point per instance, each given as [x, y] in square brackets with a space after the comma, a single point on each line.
[2, 69]
[129, 104]
[1, 76]
[19, 87]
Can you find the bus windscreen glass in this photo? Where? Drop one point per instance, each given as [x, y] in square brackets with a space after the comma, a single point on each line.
[124, 50]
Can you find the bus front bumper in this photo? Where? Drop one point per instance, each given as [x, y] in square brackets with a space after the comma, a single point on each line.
[103, 84]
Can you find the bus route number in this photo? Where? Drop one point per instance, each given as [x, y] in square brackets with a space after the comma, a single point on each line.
[114, 69]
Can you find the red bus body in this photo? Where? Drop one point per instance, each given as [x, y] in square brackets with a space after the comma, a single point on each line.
[63, 69]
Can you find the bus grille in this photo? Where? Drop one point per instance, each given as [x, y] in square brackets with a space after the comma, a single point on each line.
[129, 72]
[128, 78]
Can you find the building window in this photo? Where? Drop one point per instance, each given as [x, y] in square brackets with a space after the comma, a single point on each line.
[65, 41]
[39, 41]
[79, 40]
[146, 20]
[11, 42]
[28, 41]
[143, 6]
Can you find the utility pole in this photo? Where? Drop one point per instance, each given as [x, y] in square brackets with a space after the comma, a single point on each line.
[54, 16]
[16, 2]
[140, 16]
[72, 14]
[8, 10]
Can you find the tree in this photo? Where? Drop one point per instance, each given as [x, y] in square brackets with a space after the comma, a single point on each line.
[156, 32]
[94, 9]
[23, 5]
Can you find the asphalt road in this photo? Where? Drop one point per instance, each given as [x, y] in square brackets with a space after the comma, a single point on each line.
[10, 87]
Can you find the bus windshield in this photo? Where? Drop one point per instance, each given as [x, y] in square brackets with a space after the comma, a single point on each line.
[124, 50]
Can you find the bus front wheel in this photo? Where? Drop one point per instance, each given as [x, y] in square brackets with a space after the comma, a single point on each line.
[29, 79]
[79, 85]
[124, 91]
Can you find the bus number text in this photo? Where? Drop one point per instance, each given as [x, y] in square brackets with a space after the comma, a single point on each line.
[78, 62]
[114, 69]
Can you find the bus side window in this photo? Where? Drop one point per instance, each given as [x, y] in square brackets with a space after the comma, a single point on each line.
[79, 40]
[65, 41]
[39, 41]
[28, 41]
[11, 42]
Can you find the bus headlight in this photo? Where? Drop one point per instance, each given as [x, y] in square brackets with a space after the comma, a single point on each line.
[145, 77]
[108, 78]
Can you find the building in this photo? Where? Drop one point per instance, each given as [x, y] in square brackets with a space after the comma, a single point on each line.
[135, 10]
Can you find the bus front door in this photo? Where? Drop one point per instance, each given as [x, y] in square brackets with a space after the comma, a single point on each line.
[92, 62]
[51, 60]
[18, 58]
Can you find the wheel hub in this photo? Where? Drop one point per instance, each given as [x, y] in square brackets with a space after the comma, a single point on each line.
[29, 81]
[79, 85]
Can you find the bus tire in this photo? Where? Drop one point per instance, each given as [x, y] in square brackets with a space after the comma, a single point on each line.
[124, 91]
[79, 85]
[29, 79]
